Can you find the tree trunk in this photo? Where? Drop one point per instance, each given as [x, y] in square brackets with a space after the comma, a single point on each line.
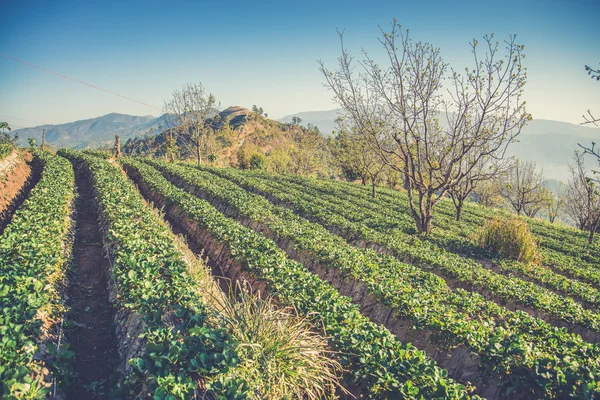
[117, 146]
[373, 188]
[423, 220]
[593, 227]
[459, 210]
[426, 224]
[198, 154]
[363, 180]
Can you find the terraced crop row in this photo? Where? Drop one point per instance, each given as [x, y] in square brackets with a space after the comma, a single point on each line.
[387, 218]
[376, 360]
[563, 248]
[34, 253]
[342, 217]
[458, 317]
[567, 240]
[154, 288]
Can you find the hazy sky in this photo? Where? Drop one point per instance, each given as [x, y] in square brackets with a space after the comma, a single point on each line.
[265, 53]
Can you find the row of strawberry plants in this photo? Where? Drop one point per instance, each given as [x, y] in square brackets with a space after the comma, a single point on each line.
[5, 149]
[554, 237]
[150, 274]
[456, 235]
[374, 357]
[426, 255]
[459, 316]
[378, 215]
[98, 153]
[34, 254]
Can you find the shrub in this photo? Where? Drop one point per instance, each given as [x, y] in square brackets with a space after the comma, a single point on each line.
[257, 161]
[510, 238]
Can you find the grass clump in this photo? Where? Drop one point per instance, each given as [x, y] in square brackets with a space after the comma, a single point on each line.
[282, 357]
[510, 238]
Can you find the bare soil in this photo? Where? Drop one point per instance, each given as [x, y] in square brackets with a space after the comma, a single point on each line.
[91, 330]
[14, 188]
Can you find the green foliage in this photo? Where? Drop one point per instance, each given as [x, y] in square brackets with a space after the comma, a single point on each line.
[34, 252]
[105, 154]
[373, 356]
[5, 149]
[257, 161]
[348, 209]
[250, 157]
[510, 238]
[153, 281]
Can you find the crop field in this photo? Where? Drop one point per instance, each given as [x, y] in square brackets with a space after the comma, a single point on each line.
[113, 275]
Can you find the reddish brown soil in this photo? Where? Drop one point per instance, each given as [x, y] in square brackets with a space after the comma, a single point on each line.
[91, 332]
[14, 187]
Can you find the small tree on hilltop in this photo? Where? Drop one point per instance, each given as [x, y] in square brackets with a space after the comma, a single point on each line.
[4, 136]
[190, 108]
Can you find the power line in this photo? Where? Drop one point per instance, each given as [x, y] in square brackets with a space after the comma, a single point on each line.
[78, 81]
[23, 119]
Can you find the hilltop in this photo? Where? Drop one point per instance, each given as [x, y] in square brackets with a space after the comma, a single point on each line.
[239, 135]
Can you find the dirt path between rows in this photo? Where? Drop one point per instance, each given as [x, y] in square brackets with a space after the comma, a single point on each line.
[91, 332]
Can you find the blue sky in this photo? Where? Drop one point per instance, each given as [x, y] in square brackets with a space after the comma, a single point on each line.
[265, 53]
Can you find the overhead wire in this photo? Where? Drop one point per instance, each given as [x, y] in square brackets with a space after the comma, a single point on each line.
[77, 80]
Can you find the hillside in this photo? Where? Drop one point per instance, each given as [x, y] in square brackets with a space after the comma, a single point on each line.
[238, 135]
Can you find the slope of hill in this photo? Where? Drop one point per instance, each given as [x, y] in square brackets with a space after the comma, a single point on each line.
[91, 132]
[239, 135]
[549, 143]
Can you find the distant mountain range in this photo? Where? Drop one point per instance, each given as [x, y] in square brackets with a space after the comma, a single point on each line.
[549, 143]
[93, 132]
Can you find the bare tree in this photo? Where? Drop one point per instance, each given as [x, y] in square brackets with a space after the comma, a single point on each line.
[484, 170]
[488, 192]
[484, 111]
[583, 198]
[556, 206]
[524, 189]
[189, 108]
[594, 73]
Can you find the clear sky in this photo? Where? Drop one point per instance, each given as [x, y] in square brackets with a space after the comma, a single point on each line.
[265, 53]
